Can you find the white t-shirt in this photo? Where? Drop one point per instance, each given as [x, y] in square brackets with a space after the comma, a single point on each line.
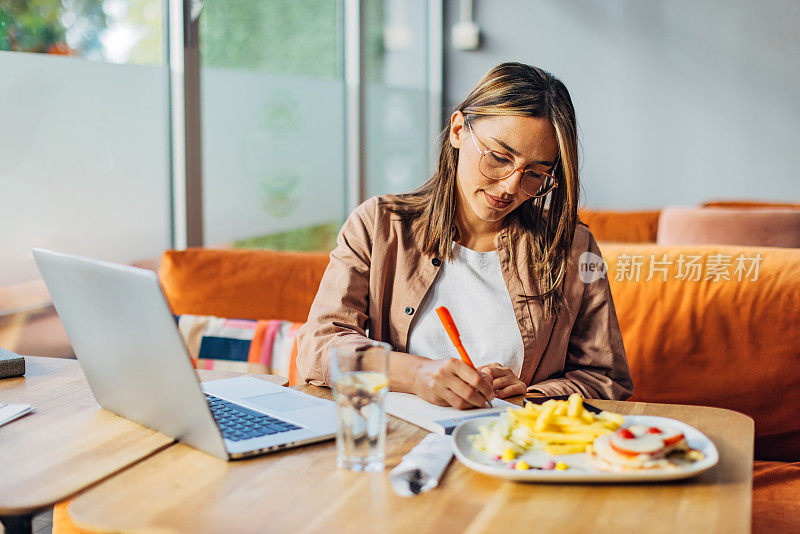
[471, 286]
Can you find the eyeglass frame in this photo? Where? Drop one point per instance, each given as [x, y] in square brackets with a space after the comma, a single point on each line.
[516, 167]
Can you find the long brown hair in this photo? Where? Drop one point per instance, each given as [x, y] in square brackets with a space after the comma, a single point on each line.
[509, 89]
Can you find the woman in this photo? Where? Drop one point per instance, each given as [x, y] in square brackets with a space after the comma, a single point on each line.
[494, 236]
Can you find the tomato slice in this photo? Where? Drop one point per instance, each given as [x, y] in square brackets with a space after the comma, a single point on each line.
[640, 443]
[625, 433]
[623, 452]
[674, 439]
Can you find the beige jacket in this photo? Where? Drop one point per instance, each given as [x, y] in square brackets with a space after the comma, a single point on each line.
[377, 278]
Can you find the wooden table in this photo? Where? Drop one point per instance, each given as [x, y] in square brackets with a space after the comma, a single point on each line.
[181, 489]
[69, 443]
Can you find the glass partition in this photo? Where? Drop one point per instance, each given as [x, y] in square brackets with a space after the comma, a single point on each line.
[86, 149]
[84, 134]
[273, 123]
[398, 142]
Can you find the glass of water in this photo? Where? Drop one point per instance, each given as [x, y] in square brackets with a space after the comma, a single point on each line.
[360, 378]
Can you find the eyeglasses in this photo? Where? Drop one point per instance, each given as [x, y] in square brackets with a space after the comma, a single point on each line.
[496, 166]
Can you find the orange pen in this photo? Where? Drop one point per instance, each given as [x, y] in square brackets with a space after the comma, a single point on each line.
[452, 331]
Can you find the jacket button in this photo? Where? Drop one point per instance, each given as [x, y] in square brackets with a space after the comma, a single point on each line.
[436, 262]
[409, 310]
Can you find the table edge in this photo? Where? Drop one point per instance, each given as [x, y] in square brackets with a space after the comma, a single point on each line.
[60, 364]
[31, 509]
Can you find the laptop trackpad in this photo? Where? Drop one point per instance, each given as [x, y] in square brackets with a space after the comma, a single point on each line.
[282, 402]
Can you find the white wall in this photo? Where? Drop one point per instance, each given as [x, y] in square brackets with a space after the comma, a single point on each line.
[678, 101]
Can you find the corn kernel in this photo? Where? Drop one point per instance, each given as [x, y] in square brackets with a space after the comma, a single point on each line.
[522, 465]
[561, 466]
[508, 454]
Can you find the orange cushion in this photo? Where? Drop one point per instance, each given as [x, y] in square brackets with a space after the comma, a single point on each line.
[62, 523]
[712, 342]
[773, 227]
[246, 284]
[776, 497]
[748, 204]
[621, 226]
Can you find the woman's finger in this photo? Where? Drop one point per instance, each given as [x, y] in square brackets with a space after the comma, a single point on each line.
[451, 399]
[504, 381]
[435, 397]
[495, 372]
[510, 391]
[470, 395]
[474, 379]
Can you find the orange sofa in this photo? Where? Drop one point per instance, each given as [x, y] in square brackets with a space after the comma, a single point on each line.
[709, 342]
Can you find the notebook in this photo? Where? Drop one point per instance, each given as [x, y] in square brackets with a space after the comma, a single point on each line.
[9, 412]
[437, 419]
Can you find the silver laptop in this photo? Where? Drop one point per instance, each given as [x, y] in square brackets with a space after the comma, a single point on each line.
[127, 342]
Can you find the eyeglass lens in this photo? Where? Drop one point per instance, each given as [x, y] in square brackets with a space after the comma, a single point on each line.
[497, 167]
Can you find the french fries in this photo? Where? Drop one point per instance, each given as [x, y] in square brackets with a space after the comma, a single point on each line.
[563, 427]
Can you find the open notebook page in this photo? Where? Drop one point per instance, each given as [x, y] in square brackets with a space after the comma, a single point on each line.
[438, 419]
[9, 412]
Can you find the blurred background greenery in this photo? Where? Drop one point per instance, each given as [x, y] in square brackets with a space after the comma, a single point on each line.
[117, 31]
[303, 34]
[41, 25]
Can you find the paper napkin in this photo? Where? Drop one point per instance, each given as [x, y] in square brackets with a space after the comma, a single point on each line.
[421, 469]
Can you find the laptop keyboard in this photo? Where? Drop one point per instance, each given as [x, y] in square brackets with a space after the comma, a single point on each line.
[238, 423]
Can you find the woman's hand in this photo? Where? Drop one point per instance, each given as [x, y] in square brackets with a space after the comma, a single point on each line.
[504, 382]
[451, 382]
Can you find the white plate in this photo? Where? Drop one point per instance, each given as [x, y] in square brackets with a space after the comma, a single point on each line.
[580, 468]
